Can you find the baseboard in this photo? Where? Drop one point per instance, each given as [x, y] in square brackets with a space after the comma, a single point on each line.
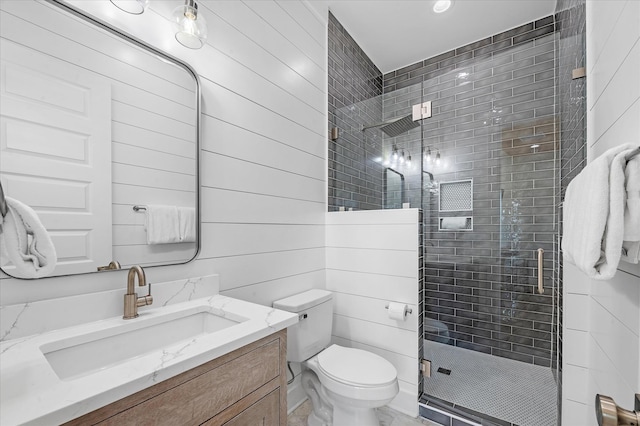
[295, 395]
[405, 402]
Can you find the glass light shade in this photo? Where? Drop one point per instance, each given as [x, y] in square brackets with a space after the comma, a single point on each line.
[441, 6]
[427, 154]
[135, 7]
[189, 25]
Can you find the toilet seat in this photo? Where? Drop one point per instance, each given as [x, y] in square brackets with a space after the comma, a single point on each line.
[377, 389]
[356, 367]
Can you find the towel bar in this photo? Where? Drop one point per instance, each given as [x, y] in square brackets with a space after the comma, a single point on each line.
[632, 154]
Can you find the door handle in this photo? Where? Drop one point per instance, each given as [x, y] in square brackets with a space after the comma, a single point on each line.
[540, 271]
[609, 414]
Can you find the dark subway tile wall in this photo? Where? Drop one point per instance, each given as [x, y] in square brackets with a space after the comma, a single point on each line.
[491, 100]
[467, 56]
[571, 103]
[354, 85]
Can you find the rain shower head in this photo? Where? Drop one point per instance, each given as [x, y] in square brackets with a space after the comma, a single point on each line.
[395, 127]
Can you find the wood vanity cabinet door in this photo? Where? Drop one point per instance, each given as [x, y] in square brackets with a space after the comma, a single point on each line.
[265, 412]
[245, 387]
[197, 400]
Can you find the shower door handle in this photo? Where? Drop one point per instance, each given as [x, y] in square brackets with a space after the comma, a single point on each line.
[540, 271]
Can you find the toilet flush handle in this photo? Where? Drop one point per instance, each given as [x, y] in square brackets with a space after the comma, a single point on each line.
[302, 316]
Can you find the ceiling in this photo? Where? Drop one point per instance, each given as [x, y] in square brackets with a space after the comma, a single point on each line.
[396, 33]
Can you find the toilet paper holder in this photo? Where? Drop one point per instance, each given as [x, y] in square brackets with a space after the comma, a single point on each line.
[408, 309]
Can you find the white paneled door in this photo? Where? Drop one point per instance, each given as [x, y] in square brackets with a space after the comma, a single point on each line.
[56, 152]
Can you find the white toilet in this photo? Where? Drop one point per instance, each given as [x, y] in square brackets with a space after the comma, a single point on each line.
[345, 385]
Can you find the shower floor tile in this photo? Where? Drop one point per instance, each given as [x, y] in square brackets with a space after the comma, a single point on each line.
[509, 390]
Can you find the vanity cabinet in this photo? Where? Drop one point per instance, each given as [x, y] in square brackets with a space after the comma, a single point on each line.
[245, 387]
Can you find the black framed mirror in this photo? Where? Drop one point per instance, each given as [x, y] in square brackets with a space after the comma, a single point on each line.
[99, 133]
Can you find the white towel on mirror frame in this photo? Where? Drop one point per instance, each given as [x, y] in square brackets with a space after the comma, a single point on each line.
[162, 224]
[593, 215]
[26, 242]
[187, 221]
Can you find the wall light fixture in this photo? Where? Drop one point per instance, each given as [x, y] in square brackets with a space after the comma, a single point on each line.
[441, 6]
[190, 26]
[135, 7]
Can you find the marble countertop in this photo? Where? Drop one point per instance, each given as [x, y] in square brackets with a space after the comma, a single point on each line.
[32, 393]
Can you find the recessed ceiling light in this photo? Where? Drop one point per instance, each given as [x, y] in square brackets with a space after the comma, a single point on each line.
[441, 6]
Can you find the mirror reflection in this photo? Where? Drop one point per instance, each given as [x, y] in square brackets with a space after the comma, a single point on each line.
[99, 139]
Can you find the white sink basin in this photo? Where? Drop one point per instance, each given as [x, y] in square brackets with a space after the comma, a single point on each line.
[84, 354]
[58, 375]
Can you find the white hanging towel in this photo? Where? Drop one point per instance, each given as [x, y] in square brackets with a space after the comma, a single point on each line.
[162, 224]
[26, 242]
[631, 236]
[593, 215]
[453, 223]
[187, 219]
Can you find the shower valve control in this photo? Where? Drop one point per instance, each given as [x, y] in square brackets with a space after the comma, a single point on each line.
[421, 111]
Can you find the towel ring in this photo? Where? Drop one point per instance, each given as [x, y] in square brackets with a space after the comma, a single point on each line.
[3, 203]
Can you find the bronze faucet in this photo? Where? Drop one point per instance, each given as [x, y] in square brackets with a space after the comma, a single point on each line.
[114, 264]
[131, 299]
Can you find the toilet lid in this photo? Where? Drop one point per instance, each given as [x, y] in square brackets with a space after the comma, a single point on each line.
[355, 366]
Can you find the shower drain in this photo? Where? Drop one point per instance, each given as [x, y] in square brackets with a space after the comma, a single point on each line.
[444, 371]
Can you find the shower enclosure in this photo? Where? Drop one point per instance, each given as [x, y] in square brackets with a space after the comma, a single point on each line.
[483, 169]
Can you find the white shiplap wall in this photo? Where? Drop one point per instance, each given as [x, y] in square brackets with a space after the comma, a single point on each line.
[263, 158]
[372, 259]
[602, 318]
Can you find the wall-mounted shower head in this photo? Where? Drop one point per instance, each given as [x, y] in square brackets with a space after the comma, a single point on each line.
[395, 127]
[400, 126]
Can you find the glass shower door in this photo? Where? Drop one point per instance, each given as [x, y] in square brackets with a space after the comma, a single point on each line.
[488, 333]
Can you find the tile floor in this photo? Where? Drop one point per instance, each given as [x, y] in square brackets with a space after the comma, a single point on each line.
[512, 391]
[388, 417]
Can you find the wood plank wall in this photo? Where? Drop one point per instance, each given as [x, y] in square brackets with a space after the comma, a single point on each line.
[263, 156]
[602, 319]
[372, 259]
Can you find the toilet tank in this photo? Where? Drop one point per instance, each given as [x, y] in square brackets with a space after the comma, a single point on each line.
[312, 333]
